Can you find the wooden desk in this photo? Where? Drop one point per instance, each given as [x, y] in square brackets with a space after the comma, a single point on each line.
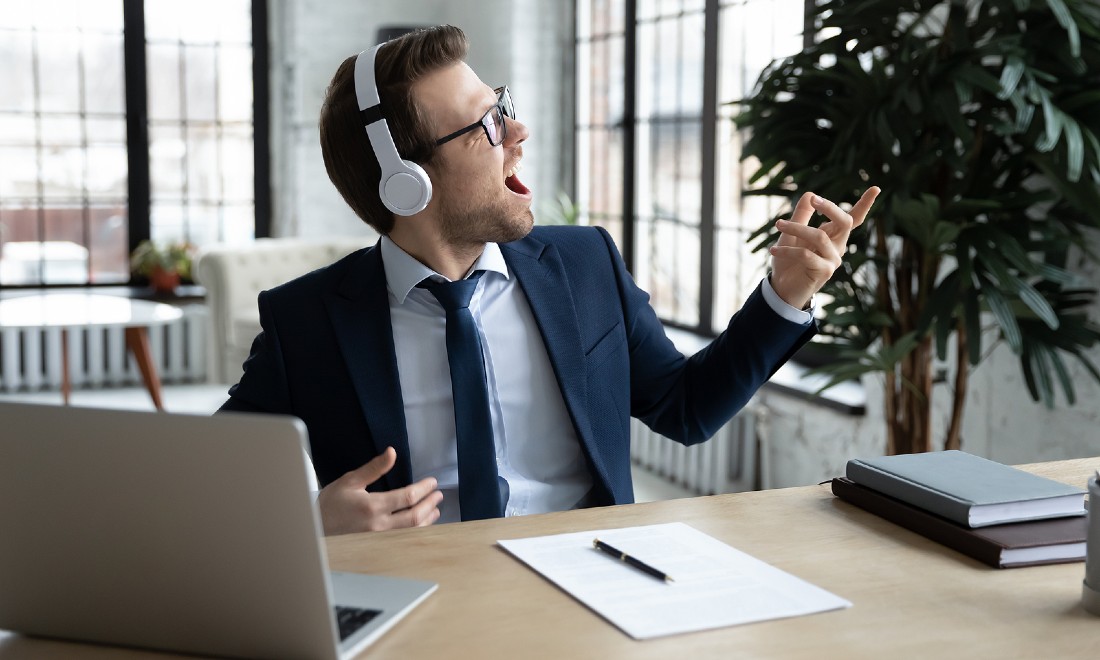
[911, 597]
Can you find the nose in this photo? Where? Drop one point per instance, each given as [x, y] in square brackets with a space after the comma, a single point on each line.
[517, 132]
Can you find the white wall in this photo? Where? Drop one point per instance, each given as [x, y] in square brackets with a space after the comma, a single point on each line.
[524, 43]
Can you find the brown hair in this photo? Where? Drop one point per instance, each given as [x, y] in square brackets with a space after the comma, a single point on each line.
[349, 159]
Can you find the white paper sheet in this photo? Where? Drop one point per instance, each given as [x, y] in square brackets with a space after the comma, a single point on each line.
[714, 585]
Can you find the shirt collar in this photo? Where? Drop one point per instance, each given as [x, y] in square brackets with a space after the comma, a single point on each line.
[403, 272]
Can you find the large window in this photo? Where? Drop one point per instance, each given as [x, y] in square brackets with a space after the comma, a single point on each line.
[123, 120]
[658, 156]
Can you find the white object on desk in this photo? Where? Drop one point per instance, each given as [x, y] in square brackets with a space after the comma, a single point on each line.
[1090, 589]
[714, 584]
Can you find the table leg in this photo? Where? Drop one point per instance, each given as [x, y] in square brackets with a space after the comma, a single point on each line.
[66, 384]
[137, 340]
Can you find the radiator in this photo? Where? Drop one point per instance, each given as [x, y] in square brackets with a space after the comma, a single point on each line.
[30, 359]
[724, 464]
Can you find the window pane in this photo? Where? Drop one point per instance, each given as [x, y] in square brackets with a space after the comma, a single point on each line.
[201, 146]
[166, 157]
[18, 173]
[107, 171]
[689, 180]
[18, 229]
[163, 80]
[234, 22]
[17, 73]
[59, 72]
[63, 173]
[239, 222]
[104, 76]
[16, 130]
[57, 14]
[100, 15]
[203, 178]
[201, 78]
[63, 135]
[62, 130]
[107, 245]
[690, 93]
[163, 20]
[167, 222]
[753, 33]
[238, 180]
[64, 223]
[106, 131]
[235, 83]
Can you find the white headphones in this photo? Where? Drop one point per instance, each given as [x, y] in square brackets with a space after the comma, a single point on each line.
[405, 188]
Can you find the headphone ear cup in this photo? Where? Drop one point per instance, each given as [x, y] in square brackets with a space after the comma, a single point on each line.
[406, 191]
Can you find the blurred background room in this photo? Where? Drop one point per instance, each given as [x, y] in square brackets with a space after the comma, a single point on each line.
[141, 139]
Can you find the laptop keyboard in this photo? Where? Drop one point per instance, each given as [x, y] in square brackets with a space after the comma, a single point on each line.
[350, 619]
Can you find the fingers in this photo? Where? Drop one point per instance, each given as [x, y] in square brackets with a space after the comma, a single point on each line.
[803, 211]
[859, 211]
[370, 471]
[839, 225]
[349, 509]
[423, 513]
[391, 501]
[814, 239]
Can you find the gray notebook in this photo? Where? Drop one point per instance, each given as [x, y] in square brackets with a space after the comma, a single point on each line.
[968, 489]
[186, 533]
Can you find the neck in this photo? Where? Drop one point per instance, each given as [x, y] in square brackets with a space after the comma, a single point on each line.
[448, 259]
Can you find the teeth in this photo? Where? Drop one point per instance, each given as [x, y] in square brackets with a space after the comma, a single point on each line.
[515, 168]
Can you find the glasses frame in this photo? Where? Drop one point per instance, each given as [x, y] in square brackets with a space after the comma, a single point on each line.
[503, 104]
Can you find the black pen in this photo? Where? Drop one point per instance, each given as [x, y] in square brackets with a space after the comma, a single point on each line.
[627, 559]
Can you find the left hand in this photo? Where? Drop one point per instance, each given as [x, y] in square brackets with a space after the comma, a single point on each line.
[805, 257]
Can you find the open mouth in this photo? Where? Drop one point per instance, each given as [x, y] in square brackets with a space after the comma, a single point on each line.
[513, 183]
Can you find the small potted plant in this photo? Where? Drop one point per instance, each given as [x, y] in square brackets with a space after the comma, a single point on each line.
[164, 265]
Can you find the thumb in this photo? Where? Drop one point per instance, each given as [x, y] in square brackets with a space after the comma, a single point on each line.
[371, 471]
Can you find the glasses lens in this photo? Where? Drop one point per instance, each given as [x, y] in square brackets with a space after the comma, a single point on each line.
[505, 103]
[494, 127]
[500, 129]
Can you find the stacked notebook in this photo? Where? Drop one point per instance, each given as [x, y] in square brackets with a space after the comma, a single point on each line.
[994, 513]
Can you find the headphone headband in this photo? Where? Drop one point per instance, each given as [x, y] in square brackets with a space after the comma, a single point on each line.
[404, 188]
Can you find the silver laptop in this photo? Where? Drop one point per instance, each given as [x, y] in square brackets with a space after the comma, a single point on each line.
[186, 533]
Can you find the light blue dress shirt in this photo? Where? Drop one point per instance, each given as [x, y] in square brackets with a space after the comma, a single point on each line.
[537, 449]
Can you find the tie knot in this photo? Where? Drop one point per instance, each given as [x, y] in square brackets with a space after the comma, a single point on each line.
[453, 295]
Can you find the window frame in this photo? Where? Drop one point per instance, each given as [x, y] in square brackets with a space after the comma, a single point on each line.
[135, 105]
[709, 149]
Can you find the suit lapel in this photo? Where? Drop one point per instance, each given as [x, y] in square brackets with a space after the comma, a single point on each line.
[360, 312]
[540, 273]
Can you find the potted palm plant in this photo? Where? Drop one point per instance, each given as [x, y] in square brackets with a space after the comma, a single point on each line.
[979, 119]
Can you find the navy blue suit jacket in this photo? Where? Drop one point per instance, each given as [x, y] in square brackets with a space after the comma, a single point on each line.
[326, 355]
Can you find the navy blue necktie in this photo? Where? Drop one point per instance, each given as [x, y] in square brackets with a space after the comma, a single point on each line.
[481, 491]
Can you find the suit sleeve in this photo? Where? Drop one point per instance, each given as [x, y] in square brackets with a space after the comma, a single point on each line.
[263, 386]
[689, 399]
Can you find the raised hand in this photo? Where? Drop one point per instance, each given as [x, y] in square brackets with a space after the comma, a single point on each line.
[805, 257]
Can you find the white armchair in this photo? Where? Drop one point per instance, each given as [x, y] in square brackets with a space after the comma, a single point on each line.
[234, 275]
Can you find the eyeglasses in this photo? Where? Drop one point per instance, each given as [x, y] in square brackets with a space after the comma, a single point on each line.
[492, 122]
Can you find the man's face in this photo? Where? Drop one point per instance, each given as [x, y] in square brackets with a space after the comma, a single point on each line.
[480, 197]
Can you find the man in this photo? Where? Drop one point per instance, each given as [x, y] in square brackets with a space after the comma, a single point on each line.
[565, 347]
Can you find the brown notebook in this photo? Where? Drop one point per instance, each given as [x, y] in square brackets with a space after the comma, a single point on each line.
[1052, 541]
